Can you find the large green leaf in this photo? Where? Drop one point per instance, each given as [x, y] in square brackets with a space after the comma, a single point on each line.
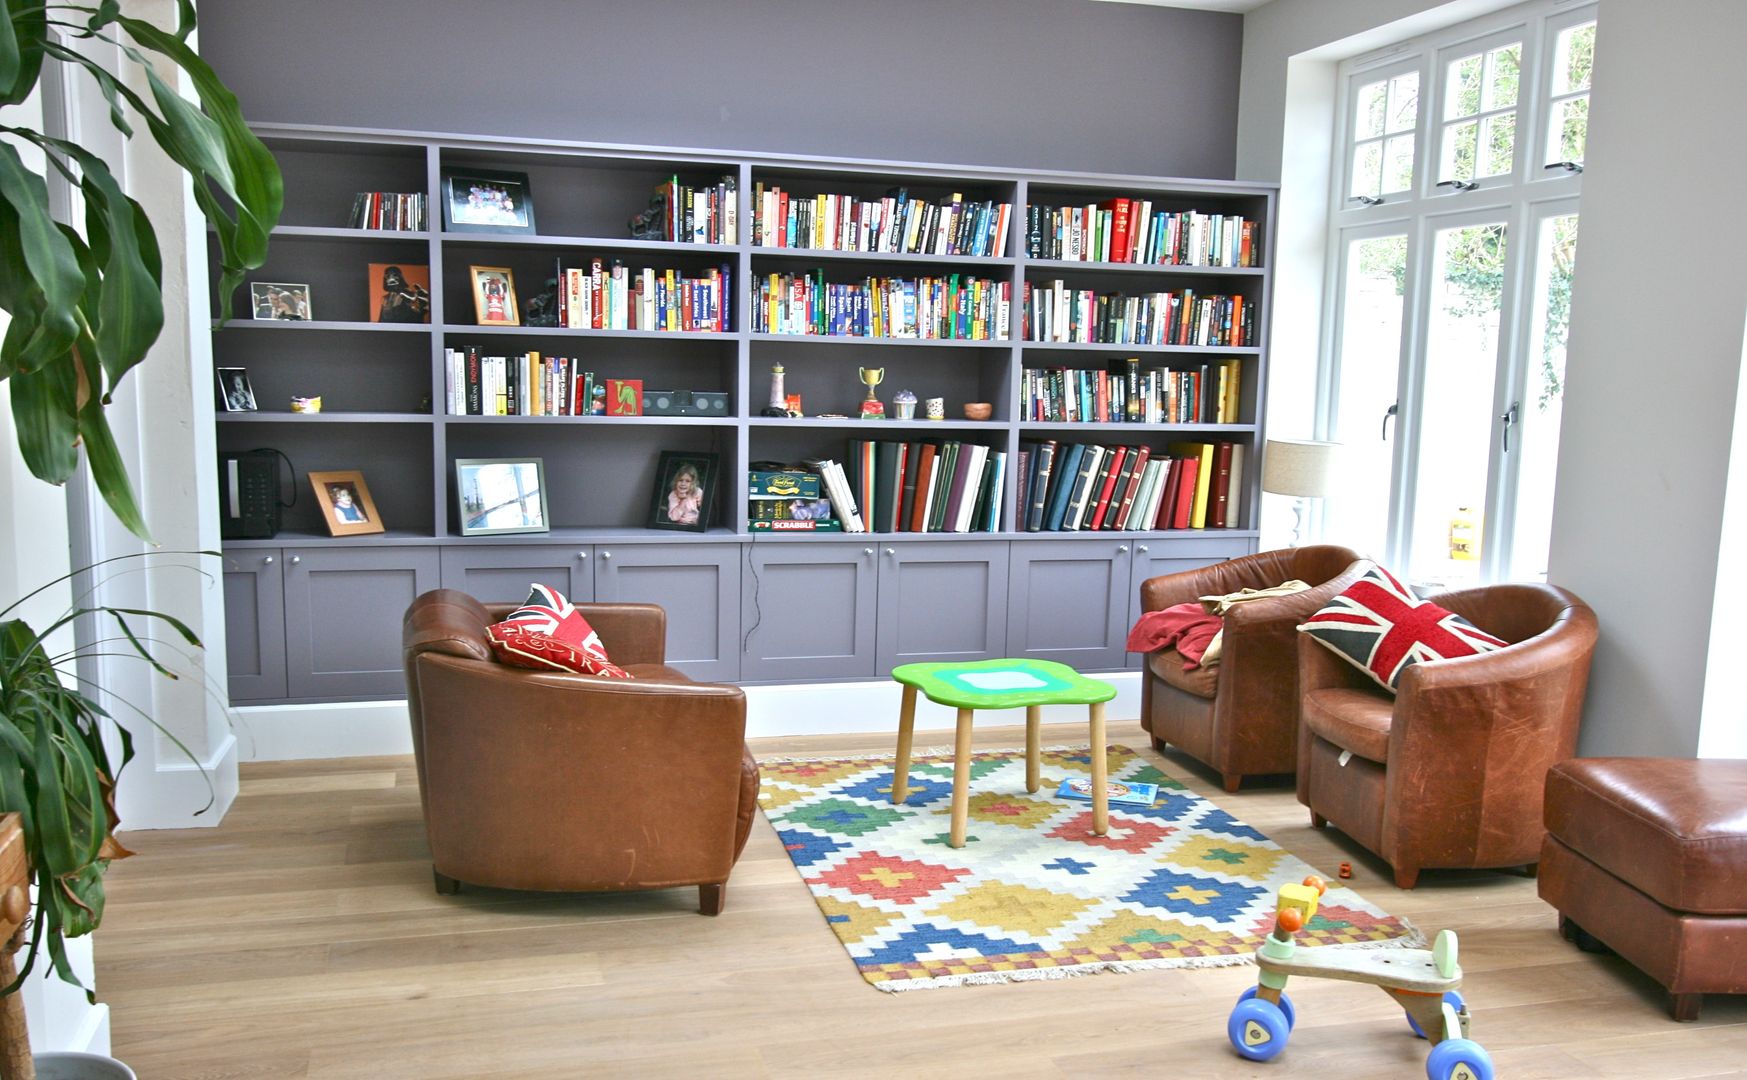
[9, 61]
[108, 469]
[44, 414]
[49, 258]
[28, 23]
[130, 311]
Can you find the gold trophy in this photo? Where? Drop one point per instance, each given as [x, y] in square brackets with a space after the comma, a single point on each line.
[872, 408]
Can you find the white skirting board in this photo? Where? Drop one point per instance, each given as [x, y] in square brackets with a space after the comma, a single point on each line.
[373, 728]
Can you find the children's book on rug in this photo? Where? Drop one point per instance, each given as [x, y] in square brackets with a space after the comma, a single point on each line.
[1117, 792]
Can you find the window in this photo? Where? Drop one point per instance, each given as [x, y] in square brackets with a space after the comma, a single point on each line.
[1452, 246]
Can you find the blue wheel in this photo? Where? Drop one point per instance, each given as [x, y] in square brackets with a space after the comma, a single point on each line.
[1257, 1029]
[1453, 998]
[1285, 1006]
[1459, 1059]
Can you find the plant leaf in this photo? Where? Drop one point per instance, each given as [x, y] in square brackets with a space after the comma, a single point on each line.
[29, 28]
[49, 258]
[108, 470]
[130, 308]
[42, 410]
[9, 62]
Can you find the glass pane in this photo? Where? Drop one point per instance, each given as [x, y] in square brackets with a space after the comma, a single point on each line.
[1537, 439]
[1368, 123]
[1499, 138]
[1357, 511]
[1398, 163]
[1367, 169]
[1403, 102]
[1456, 430]
[1569, 131]
[1462, 88]
[1573, 56]
[1502, 68]
[1459, 147]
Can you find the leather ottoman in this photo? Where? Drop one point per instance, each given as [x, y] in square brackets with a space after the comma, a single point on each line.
[1648, 856]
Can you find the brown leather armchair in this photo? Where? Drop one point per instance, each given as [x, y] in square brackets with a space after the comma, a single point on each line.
[1449, 773]
[571, 783]
[1240, 715]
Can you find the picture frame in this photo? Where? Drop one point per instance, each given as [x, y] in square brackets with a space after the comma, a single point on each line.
[235, 394]
[494, 496]
[282, 300]
[494, 296]
[400, 293]
[346, 505]
[487, 201]
[676, 505]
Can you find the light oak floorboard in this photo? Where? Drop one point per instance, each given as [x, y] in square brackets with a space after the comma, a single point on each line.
[302, 938]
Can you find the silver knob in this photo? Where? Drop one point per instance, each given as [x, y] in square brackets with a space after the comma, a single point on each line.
[1140, 548]
[582, 554]
[268, 561]
[606, 554]
[891, 551]
[867, 551]
[295, 559]
[1122, 549]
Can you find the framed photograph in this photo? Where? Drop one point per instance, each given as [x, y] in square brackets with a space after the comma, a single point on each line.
[400, 293]
[494, 296]
[501, 495]
[345, 502]
[280, 300]
[685, 491]
[482, 201]
[234, 392]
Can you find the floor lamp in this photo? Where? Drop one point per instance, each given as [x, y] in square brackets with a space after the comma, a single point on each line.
[1300, 468]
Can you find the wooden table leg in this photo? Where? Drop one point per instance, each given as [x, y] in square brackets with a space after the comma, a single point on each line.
[961, 777]
[1033, 746]
[1100, 774]
[906, 731]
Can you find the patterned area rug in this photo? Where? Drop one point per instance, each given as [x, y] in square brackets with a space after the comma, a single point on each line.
[1034, 894]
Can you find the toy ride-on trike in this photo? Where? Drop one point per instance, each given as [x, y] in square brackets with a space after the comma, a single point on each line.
[1423, 981]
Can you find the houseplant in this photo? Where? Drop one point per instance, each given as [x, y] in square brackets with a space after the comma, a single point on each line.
[85, 305]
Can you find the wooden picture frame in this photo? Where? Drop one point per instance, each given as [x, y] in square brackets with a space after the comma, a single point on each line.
[494, 496]
[346, 505]
[494, 296]
[673, 506]
[486, 201]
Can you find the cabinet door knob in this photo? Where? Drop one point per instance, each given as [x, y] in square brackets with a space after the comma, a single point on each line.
[267, 561]
[891, 551]
[1122, 549]
[867, 551]
[295, 559]
[1141, 548]
[582, 554]
[606, 554]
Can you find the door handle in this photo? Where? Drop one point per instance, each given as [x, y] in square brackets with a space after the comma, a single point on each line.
[1509, 418]
[1389, 414]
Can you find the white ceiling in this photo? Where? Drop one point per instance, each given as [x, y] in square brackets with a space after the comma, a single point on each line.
[1201, 5]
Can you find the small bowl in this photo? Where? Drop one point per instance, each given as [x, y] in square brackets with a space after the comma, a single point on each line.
[978, 410]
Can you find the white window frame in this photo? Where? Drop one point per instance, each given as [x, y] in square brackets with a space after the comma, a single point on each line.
[1382, 73]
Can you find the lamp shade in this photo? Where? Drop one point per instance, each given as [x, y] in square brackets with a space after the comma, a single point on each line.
[1298, 467]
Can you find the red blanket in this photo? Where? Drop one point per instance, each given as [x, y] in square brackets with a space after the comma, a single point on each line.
[1185, 626]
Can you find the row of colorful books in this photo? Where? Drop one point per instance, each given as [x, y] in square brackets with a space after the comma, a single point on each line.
[615, 297]
[1054, 312]
[955, 307]
[1131, 231]
[523, 384]
[923, 486]
[1069, 487]
[1205, 394]
[393, 211]
[699, 215]
[894, 224]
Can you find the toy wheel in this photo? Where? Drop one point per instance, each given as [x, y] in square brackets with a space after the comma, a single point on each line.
[1257, 1029]
[1285, 1006]
[1459, 1059]
[1453, 998]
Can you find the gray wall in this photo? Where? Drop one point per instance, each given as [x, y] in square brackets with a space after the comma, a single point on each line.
[1049, 84]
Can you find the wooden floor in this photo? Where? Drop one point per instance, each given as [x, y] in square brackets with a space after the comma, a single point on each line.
[302, 938]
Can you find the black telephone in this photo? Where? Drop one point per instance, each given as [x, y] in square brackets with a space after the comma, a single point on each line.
[248, 494]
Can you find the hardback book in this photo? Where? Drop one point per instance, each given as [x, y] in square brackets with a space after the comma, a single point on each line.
[1116, 792]
[1202, 454]
[1042, 462]
[1183, 510]
[972, 470]
[912, 458]
[1112, 474]
[1217, 509]
[1090, 462]
[924, 487]
[1234, 502]
[1131, 486]
[1067, 471]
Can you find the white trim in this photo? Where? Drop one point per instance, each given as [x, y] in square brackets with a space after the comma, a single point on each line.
[178, 789]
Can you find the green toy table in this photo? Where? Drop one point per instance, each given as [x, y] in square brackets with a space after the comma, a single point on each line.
[1000, 684]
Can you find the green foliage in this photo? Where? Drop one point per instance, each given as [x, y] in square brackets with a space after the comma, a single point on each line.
[87, 306]
[1561, 264]
[1474, 264]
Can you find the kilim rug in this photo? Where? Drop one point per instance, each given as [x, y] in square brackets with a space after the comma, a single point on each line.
[1034, 894]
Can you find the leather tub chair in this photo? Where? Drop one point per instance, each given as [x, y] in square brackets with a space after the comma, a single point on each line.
[1240, 715]
[1449, 772]
[572, 783]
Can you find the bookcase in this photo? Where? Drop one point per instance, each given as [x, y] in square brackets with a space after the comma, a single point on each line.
[313, 617]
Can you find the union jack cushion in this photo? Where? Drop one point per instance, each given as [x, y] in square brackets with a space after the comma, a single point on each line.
[548, 632]
[1380, 627]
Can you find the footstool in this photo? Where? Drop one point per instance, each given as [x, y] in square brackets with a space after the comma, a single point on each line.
[1648, 856]
[1000, 684]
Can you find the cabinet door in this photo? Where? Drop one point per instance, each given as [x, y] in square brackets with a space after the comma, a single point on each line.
[343, 608]
[501, 574]
[1068, 601]
[254, 624]
[941, 600]
[698, 585]
[809, 609]
[1155, 558]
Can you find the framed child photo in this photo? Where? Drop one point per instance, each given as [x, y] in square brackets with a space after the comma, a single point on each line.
[482, 201]
[501, 495]
[494, 296]
[346, 505]
[280, 300]
[234, 392]
[685, 491]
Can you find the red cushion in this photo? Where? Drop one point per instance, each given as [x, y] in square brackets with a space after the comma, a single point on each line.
[548, 632]
[1380, 627]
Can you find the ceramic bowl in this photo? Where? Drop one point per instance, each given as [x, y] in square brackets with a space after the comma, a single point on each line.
[978, 410]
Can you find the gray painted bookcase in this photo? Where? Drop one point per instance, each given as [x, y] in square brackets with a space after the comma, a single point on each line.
[312, 617]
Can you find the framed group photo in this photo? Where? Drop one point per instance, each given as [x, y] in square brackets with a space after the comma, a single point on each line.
[501, 495]
[494, 296]
[483, 201]
[685, 491]
[234, 392]
[280, 300]
[346, 505]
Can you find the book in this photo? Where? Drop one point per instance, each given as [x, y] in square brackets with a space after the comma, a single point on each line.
[1221, 491]
[1090, 462]
[1112, 473]
[1043, 462]
[1061, 488]
[924, 488]
[1116, 792]
[1202, 454]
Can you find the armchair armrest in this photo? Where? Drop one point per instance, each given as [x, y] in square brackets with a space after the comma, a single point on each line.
[1282, 614]
[632, 633]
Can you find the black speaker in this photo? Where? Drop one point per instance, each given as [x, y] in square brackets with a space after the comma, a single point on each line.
[685, 403]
